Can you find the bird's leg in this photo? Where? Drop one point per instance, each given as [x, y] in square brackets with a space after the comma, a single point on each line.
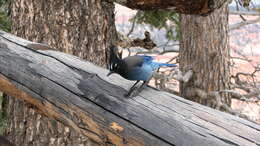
[145, 83]
[137, 91]
[132, 89]
[142, 86]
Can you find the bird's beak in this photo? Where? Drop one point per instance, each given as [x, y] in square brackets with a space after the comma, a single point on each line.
[111, 72]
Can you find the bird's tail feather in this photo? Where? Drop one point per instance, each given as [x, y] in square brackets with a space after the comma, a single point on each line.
[165, 64]
[156, 65]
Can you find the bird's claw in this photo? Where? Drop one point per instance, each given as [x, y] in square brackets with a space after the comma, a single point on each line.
[127, 94]
[132, 94]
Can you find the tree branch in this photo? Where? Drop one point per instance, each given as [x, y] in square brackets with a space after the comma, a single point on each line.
[180, 6]
[244, 13]
[243, 23]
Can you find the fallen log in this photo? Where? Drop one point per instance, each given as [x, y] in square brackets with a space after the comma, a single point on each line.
[78, 94]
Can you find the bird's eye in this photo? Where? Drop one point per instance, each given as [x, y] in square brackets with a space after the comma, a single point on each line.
[113, 66]
[110, 66]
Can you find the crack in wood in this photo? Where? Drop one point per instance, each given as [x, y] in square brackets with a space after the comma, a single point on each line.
[247, 139]
[227, 130]
[155, 114]
[225, 140]
[198, 125]
[257, 129]
[197, 133]
[163, 106]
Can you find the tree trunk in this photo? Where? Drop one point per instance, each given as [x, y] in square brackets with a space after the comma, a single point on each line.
[28, 127]
[205, 50]
[77, 27]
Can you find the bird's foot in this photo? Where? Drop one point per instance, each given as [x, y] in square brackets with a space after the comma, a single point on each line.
[127, 95]
[131, 92]
[136, 92]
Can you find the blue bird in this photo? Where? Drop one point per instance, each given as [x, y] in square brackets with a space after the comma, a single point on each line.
[136, 68]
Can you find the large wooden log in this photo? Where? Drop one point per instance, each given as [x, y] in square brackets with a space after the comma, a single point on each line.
[180, 6]
[78, 94]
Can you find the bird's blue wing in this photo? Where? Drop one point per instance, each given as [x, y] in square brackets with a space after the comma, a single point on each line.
[149, 60]
[143, 72]
[156, 65]
[138, 60]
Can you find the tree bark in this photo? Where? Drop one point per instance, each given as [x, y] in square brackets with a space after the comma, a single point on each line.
[204, 49]
[77, 27]
[28, 126]
[179, 6]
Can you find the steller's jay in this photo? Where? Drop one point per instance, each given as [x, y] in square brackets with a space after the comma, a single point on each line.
[137, 68]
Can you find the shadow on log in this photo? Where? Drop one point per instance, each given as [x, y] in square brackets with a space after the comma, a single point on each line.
[67, 88]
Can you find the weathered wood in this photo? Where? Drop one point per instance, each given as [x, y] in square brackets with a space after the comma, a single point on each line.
[180, 6]
[67, 88]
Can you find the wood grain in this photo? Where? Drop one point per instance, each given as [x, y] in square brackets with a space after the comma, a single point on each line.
[67, 88]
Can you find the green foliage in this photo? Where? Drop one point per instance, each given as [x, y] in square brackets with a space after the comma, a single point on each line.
[3, 2]
[5, 23]
[162, 20]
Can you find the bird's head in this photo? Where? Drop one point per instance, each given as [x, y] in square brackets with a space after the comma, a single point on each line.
[114, 68]
[114, 61]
